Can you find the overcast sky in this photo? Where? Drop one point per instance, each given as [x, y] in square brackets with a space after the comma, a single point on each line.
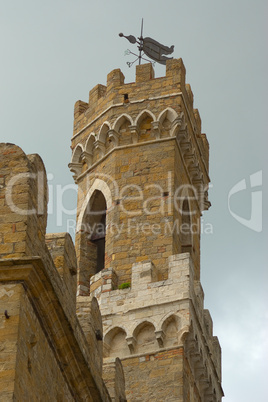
[54, 52]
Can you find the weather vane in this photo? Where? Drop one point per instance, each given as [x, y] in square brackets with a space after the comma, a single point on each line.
[148, 46]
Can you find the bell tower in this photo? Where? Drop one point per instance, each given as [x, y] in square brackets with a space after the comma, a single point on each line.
[140, 161]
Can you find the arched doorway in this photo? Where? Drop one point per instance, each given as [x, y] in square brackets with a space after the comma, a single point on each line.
[95, 221]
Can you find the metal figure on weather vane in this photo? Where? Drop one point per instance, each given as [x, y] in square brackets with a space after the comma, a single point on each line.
[150, 47]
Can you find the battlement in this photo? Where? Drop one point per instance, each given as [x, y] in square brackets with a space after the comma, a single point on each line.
[145, 276]
[171, 310]
[117, 92]
[166, 102]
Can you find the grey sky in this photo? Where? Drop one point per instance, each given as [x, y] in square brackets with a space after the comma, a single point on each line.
[54, 52]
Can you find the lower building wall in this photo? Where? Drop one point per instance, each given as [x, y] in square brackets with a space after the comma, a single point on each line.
[161, 332]
[38, 375]
[10, 295]
[155, 377]
[30, 371]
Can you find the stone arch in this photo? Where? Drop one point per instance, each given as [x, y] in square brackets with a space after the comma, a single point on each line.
[179, 127]
[102, 186]
[105, 140]
[91, 238]
[91, 233]
[115, 343]
[165, 122]
[183, 334]
[122, 129]
[121, 120]
[95, 225]
[144, 335]
[87, 154]
[100, 145]
[144, 126]
[76, 163]
[135, 325]
[170, 327]
[89, 146]
[76, 156]
[169, 114]
[142, 115]
[103, 131]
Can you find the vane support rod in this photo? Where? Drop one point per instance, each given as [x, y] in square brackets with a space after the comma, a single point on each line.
[141, 42]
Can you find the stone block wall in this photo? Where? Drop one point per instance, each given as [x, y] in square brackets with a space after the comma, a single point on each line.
[10, 295]
[159, 327]
[140, 145]
[37, 372]
[62, 251]
[133, 146]
[140, 160]
[46, 351]
[155, 376]
[113, 375]
[23, 203]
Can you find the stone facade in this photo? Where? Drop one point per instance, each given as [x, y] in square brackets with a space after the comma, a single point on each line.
[124, 307]
[47, 352]
[141, 164]
[162, 327]
[141, 154]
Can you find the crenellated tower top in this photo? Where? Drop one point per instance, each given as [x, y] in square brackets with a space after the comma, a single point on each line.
[140, 161]
[105, 101]
[131, 142]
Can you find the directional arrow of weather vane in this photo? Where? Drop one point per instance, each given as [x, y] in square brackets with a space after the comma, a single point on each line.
[150, 47]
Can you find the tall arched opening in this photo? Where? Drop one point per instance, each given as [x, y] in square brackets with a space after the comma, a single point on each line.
[186, 228]
[95, 222]
[90, 240]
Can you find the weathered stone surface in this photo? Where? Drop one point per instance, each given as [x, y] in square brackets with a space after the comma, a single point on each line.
[140, 160]
[130, 288]
[44, 353]
[155, 321]
[141, 154]
[113, 375]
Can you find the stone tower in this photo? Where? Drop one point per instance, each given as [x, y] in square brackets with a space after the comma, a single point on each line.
[141, 164]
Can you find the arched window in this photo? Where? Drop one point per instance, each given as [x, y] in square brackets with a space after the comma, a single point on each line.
[186, 228]
[90, 239]
[145, 338]
[96, 226]
[115, 344]
[144, 127]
